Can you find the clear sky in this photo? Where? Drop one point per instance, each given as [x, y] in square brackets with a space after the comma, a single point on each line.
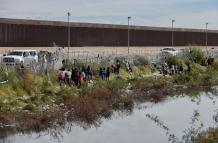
[187, 13]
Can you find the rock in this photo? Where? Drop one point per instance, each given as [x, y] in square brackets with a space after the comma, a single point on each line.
[24, 98]
[5, 101]
[121, 104]
[184, 87]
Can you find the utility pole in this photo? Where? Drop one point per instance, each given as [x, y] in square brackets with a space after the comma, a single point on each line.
[128, 34]
[68, 36]
[206, 37]
[173, 33]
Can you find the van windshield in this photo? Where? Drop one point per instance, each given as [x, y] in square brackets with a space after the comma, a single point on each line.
[169, 49]
[32, 53]
[16, 53]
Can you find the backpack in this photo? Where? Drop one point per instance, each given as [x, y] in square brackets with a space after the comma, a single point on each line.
[61, 75]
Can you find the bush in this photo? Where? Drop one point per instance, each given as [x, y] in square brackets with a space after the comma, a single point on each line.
[198, 69]
[3, 74]
[27, 79]
[141, 61]
[36, 100]
[173, 60]
[182, 78]
[151, 83]
[116, 85]
[198, 75]
[209, 136]
[197, 55]
[30, 107]
[86, 108]
[214, 66]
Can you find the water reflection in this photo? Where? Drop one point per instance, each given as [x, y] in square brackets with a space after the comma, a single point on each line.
[171, 137]
[196, 124]
[57, 132]
[176, 119]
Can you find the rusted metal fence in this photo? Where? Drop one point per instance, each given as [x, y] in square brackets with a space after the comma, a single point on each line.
[17, 33]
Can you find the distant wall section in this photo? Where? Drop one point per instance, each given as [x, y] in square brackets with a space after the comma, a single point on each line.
[43, 35]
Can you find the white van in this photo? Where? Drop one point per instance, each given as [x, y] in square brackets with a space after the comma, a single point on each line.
[22, 57]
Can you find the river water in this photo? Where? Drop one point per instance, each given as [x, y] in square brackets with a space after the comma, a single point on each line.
[148, 122]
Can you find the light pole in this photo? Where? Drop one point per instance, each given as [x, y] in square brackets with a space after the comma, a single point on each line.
[206, 37]
[173, 33]
[128, 34]
[68, 14]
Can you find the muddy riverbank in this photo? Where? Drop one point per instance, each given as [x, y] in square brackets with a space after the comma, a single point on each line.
[91, 106]
[171, 119]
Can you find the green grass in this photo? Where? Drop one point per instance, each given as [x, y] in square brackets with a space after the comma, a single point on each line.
[200, 75]
[43, 88]
[29, 91]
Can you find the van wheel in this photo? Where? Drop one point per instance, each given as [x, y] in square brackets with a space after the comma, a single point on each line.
[34, 63]
[22, 63]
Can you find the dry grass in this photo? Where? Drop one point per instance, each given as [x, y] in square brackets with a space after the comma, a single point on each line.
[39, 121]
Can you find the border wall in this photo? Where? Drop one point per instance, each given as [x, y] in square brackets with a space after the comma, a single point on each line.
[35, 33]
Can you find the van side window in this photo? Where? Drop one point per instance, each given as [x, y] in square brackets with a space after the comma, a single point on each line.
[33, 53]
[26, 54]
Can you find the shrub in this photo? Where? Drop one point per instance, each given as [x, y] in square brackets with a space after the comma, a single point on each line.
[197, 55]
[198, 75]
[35, 100]
[3, 74]
[198, 69]
[67, 91]
[30, 107]
[142, 70]
[149, 83]
[214, 66]
[209, 136]
[141, 61]
[116, 85]
[173, 60]
[182, 78]
[86, 108]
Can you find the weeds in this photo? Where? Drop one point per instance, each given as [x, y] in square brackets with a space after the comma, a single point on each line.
[27, 92]
[198, 56]
[141, 61]
[150, 83]
[210, 136]
[101, 100]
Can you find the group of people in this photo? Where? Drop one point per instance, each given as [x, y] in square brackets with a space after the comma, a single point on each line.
[78, 76]
[47, 60]
[175, 69]
[75, 76]
[104, 73]
[116, 67]
[210, 61]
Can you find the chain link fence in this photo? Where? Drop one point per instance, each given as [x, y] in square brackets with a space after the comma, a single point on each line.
[53, 60]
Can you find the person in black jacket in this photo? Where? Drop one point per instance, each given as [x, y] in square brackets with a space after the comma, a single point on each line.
[108, 73]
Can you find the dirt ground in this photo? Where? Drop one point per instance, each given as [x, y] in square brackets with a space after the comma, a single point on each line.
[98, 50]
